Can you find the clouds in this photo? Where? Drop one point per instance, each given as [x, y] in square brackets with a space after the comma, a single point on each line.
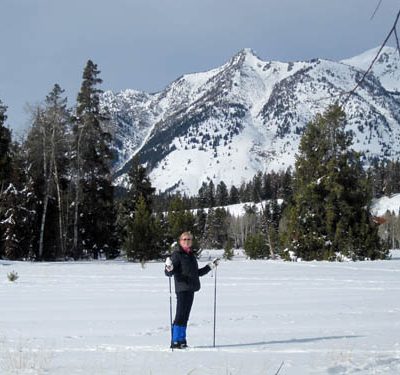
[147, 44]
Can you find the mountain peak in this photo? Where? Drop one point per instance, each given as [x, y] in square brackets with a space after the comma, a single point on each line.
[386, 66]
[247, 52]
[363, 60]
[248, 115]
[245, 55]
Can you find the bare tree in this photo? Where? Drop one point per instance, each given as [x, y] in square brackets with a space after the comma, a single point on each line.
[47, 173]
[47, 145]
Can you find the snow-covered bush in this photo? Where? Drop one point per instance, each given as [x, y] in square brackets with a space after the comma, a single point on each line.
[12, 276]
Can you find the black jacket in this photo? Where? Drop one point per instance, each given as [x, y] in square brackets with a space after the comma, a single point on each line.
[186, 271]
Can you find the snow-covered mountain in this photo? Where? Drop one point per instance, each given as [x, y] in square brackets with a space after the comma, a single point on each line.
[248, 115]
[386, 68]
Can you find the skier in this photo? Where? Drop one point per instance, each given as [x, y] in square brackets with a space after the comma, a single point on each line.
[183, 266]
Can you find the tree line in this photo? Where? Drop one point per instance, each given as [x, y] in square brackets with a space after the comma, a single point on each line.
[58, 200]
[57, 197]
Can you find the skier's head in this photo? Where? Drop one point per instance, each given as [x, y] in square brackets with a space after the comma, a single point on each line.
[185, 240]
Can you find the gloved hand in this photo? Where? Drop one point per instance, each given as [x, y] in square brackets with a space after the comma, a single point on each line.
[214, 263]
[168, 264]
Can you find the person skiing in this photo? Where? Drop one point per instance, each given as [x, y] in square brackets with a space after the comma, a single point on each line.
[184, 267]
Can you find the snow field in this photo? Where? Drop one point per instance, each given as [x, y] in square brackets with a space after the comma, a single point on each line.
[113, 318]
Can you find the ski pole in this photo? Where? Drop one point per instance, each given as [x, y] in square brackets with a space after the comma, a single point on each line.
[215, 303]
[170, 309]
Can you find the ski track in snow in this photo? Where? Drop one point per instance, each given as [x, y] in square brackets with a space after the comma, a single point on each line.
[113, 318]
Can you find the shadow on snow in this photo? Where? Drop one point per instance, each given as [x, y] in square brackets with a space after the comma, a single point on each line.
[291, 341]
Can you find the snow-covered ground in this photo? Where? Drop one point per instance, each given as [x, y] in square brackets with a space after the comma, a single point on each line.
[113, 318]
[380, 206]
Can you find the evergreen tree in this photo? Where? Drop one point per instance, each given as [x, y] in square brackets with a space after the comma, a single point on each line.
[139, 189]
[256, 187]
[210, 195]
[266, 187]
[139, 184]
[179, 219]
[19, 217]
[5, 149]
[221, 195]
[329, 213]
[234, 195]
[200, 223]
[269, 225]
[162, 225]
[255, 246]
[216, 228]
[245, 192]
[143, 241]
[94, 215]
[386, 177]
[228, 250]
[286, 191]
[377, 176]
[394, 177]
[17, 198]
[5, 168]
[202, 201]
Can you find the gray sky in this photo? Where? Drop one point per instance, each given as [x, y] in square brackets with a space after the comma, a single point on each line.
[146, 44]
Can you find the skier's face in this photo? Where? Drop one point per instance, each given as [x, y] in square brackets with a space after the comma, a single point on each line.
[186, 241]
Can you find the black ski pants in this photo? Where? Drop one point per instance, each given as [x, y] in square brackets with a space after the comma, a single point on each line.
[184, 302]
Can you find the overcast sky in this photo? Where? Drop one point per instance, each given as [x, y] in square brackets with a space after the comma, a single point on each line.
[146, 44]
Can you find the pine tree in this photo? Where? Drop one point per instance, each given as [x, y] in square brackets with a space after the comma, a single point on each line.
[17, 199]
[20, 217]
[5, 149]
[216, 228]
[94, 215]
[329, 213]
[256, 187]
[266, 187]
[377, 175]
[200, 223]
[143, 241]
[179, 219]
[139, 184]
[139, 188]
[285, 192]
[269, 223]
[207, 195]
[210, 195]
[255, 246]
[202, 201]
[5, 168]
[245, 192]
[234, 195]
[221, 195]
[228, 250]
[385, 177]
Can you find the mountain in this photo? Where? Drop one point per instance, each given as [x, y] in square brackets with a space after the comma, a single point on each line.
[386, 68]
[248, 115]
